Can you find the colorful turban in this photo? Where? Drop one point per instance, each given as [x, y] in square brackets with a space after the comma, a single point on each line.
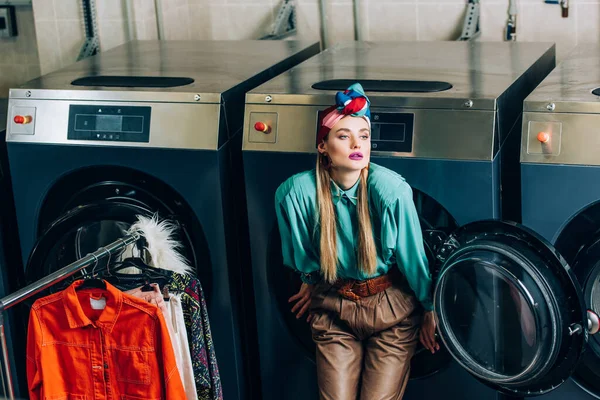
[353, 101]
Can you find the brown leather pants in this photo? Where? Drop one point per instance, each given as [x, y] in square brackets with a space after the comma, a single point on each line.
[364, 348]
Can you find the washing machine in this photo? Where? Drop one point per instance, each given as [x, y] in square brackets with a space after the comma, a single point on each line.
[561, 197]
[148, 127]
[447, 117]
[11, 270]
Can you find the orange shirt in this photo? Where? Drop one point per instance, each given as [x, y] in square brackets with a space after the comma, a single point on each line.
[77, 348]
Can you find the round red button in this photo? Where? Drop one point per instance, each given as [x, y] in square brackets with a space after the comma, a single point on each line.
[262, 127]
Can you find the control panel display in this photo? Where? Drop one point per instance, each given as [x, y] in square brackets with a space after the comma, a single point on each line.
[111, 123]
[392, 132]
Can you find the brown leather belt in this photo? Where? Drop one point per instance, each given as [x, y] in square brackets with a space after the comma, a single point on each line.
[354, 290]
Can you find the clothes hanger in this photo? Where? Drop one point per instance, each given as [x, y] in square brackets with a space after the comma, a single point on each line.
[148, 274]
[92, 281]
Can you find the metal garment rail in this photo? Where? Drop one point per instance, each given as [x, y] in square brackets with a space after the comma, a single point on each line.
[44, 283]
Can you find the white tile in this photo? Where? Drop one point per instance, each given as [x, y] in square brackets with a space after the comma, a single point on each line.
[308, 22]
[254, 2]
[176, 24]
[8, 49]
[151, 31]
[33, 71]
[43, 10]
[493, 19]
[68, 9]
[392, 21]
[10, 77]
[25, 52]
[109, 9]
[219, 17]
[48, 46]
[25, 44]
[446, 2]
[543, 22]
[112, 34]
[588, 23]
[200, 22]
[177, 3]
[554, 28]
[139, 30]
[183, 18]
[340, 23]
[240, 22]
[440, 21]
[143, 9]
[72, 36]
[25, 23]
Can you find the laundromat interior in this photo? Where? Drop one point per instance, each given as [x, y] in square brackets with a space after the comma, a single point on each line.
[144, 145]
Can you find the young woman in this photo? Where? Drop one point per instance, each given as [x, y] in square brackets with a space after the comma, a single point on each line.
[350, 228]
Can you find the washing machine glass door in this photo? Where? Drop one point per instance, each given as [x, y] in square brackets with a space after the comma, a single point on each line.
[78, 232]
[509, 309]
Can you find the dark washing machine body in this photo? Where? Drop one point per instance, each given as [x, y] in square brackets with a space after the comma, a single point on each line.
[11, 267]
[560, 170]
[511, 315]
[97, 145]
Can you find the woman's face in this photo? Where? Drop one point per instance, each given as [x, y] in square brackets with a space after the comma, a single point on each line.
[348, 144]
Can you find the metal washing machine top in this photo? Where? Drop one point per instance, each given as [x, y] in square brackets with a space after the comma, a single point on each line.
[150, 126]
[510, 310]
[560, 170]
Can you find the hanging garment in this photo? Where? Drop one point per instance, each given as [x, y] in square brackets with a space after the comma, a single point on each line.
[179, 338]
[204, 360]
[153, 297]
[99, 344]
[173, 313]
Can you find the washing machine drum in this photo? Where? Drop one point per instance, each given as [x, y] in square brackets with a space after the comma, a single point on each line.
[96, 214]
[509, 309]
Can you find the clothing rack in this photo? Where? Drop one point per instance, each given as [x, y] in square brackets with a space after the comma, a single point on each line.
[44, 283]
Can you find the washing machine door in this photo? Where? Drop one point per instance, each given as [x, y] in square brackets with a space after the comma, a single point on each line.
[508, 307]
[93, 207]
[78, 232]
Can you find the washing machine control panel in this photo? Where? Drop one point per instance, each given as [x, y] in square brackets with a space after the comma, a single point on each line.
[392, 131]
[109, 123]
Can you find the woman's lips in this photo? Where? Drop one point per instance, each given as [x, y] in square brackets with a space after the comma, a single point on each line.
[356, 156]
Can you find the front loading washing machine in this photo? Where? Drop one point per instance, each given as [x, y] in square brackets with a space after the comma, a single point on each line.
[560, 169]
[447, 117]
[148, 127]
[11, 270]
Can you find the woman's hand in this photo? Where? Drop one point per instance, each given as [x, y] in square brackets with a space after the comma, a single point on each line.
[303, 297]
[427, 333]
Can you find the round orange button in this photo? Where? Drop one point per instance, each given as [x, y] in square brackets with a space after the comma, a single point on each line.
[543, 137]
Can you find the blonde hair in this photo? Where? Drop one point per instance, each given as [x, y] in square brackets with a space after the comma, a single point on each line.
[366, 251]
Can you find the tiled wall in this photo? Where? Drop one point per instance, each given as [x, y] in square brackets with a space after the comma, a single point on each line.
[18, 56]
[60, 32]
[443, 20]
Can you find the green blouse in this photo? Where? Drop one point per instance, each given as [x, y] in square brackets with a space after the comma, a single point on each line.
[396, 229]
